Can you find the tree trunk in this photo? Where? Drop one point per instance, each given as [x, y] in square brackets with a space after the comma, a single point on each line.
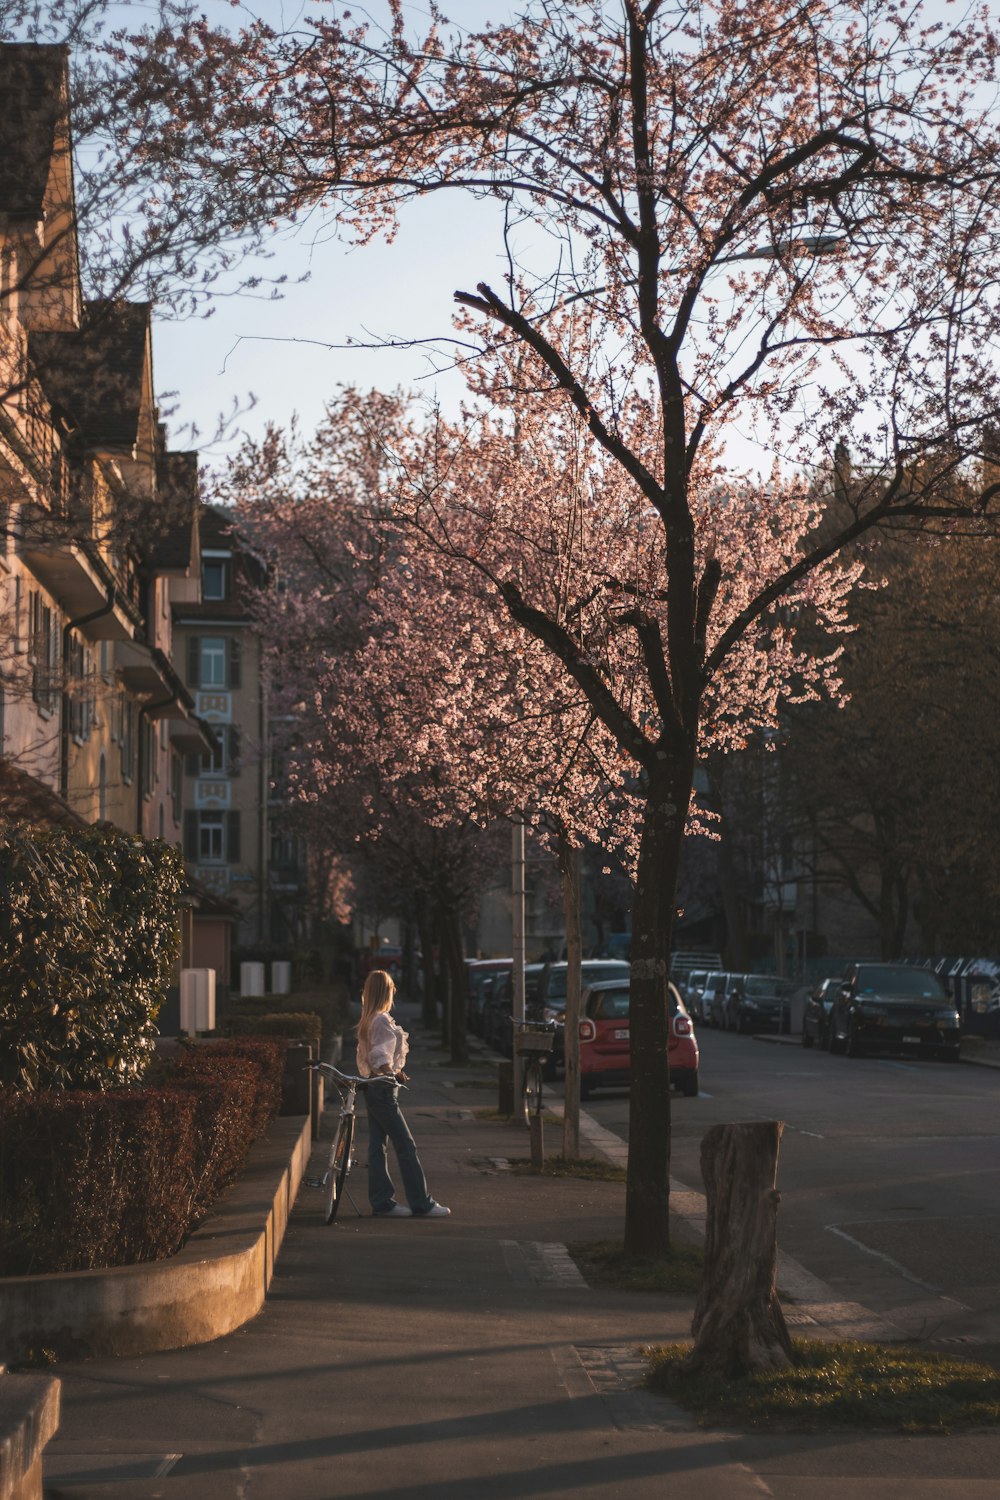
[647, 1222]
[457, 1038]
[425, 928]
[738, 1324]
[569, 864]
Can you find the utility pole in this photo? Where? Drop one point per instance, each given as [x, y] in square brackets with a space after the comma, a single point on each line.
[517, 946]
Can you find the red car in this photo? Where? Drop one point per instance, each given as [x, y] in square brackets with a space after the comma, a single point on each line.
[604, 1040]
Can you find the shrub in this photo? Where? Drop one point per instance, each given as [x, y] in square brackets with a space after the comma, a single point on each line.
[90, 1179]
[88, 936]
[292, 1024]
[107, 1179]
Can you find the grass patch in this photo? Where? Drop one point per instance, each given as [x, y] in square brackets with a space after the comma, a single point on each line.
[843, 1384]
[604, 1262]
[558, 1166]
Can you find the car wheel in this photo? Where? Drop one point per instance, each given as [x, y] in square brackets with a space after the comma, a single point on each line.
[951, 1054]
[586, 1088]
[852, 1042]
[741, 1026]
[807, 1040]
[689, 1085]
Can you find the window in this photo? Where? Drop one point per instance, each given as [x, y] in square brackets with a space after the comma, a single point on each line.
[150, 758]
[224, 760]
[213, 662]
[176, 784]
[214, 577]
[80, 689]
[212, 838]
[127, 736]
[43, 650]
[212, 672]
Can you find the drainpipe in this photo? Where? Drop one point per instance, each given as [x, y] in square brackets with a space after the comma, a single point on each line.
[71, 625]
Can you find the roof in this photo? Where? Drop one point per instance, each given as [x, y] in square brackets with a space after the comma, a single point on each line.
[96, 375]
[25, 799]
[177, 490]
[33, 104]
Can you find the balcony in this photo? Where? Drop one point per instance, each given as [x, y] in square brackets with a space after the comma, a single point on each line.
[82, 584]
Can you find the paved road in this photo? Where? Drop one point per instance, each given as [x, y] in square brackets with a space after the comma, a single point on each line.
[890, 1170]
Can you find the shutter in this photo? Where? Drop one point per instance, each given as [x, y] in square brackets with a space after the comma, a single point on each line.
[233, 766]
[194, 661]
[232, 838]
[191, 836]
[235, 661]
[192, 763]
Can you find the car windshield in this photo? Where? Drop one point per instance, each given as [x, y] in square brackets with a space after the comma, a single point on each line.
[592, 973]
[911, 984]
[764, 984]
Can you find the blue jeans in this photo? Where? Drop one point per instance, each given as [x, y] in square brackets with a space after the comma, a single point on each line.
[386, 1123]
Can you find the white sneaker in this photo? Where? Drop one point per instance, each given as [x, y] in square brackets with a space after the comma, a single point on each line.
[436, 1211]
[397, 1211]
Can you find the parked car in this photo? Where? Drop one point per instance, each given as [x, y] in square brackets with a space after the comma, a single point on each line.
[816, 1016]
[692, 993]
[550, 1000]
[719, 1000]
[604, 1040]
[498, 1016]
[762, 1002]
[479, 976]
[893, 1008]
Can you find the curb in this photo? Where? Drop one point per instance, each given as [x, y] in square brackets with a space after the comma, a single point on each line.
[29, 1416]
[214, 1284]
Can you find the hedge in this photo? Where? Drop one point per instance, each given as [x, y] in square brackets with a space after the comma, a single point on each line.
[89, 933]
[292, 1024]
[114, 1178]
[331, 1004]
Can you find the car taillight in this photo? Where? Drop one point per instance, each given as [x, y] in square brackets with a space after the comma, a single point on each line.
[682, 1026]
[588, 1031]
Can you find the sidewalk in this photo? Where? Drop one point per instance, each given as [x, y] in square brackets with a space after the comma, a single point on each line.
[461, 1358]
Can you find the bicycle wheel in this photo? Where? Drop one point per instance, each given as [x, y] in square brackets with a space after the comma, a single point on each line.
[532, 1092]
[340, 1165]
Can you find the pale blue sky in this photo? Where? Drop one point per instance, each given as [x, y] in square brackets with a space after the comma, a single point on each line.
[398, 291]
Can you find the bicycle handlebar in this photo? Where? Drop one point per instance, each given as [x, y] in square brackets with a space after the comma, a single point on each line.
[351, 1078]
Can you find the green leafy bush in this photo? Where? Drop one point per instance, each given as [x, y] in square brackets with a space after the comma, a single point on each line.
[107, 1179]
[89, 933]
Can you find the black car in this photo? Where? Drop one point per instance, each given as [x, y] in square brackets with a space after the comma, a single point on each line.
[480, 975]
[762, 1002]
[893, 1008]
[816, 1016]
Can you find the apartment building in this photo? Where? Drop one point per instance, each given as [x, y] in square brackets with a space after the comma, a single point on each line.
[226, 791]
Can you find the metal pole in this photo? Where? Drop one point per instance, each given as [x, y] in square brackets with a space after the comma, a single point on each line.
[517, 946]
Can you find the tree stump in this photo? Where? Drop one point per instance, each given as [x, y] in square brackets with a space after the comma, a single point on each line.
[738, 1324]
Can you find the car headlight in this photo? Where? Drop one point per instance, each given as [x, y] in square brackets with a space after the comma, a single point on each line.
[951, 1016]
[749, 1004]
[552, 1015]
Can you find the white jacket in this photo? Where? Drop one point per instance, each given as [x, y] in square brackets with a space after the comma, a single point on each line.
[386, 1043]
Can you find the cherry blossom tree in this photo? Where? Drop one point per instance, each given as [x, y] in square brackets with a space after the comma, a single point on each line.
[768, 219]
[432, 711]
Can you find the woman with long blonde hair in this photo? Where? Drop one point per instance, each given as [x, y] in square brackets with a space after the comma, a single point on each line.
[382, 1049]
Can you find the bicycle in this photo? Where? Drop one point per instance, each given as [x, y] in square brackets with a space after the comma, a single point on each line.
[334, 1179]
[533, 1040]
